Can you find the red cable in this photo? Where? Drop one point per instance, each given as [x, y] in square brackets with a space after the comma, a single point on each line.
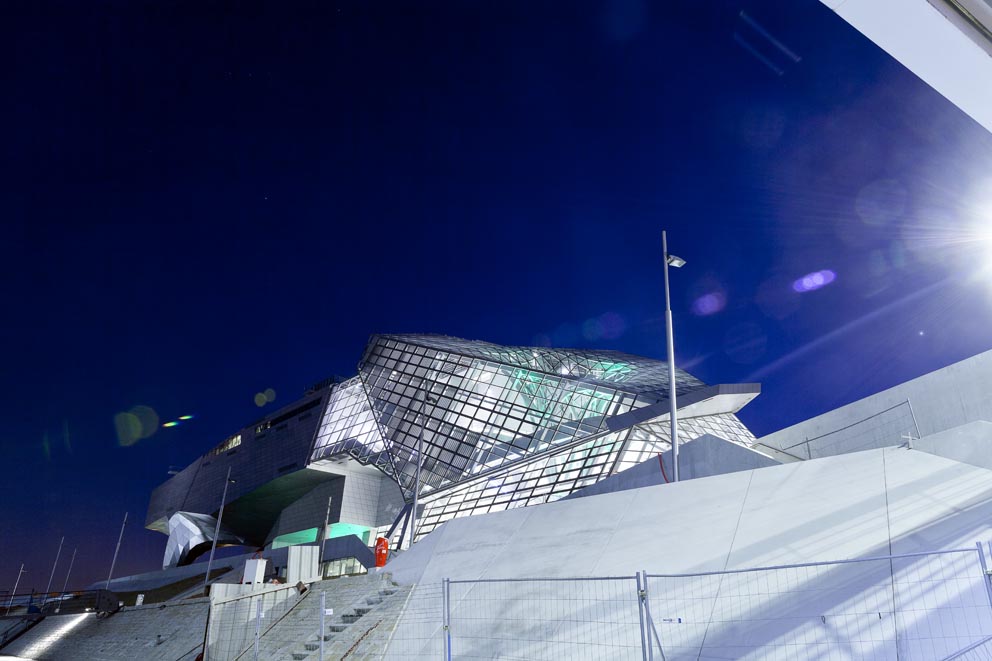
[663, 469]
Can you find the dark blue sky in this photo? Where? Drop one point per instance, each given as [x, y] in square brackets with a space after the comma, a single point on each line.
[204, 199]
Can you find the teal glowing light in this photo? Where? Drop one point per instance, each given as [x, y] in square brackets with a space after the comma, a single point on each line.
[310, 534]
[342, 529]
[294, 538]
[185, 417]
[174, 423]
[611, 371]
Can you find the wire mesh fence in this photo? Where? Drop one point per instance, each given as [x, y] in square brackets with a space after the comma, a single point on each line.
[342, 618]
[979, 651]
[587, 618]
[235, 623]
[942, 603]
[419, 633]
[902, 607]
[919, 606]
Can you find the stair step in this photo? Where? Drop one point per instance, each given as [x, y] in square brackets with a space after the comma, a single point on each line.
[299, 656]
[337, 628]
[312, 647]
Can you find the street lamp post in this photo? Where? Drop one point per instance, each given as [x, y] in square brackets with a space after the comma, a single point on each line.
[674, 262]
[14, 591]
[116, 551]
[66, 584]
[71, 563]
[54, 565]
[220, 517]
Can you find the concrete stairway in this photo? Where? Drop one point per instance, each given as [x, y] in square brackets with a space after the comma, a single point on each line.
[345, 633]
[362, 605]
[155, 632]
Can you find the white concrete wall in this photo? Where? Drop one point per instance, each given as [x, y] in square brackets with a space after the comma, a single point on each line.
[949, 397]
[301, 564]
[944, 51]
[850, 506]
[969, 444]
[704, 456]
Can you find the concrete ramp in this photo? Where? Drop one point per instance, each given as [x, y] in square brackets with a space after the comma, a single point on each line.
[859, 505]
[847, 506]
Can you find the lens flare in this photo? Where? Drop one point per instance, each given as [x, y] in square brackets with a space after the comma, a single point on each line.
[174, 423]
[607, 326]
[128, 428]
[138, 423]
[708, 304]
[185, 417]
[814, 281]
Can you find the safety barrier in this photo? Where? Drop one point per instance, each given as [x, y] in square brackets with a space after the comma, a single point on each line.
[912, 606]
[236, 623]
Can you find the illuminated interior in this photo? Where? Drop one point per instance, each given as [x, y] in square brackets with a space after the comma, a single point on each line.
[501, 427]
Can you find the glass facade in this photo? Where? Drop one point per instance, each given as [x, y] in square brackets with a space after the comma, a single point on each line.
[501, 427]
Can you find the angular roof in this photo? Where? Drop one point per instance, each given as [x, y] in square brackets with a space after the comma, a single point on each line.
[613, 369]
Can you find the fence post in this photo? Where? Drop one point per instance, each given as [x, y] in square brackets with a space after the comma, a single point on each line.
[647, 614]
[323, 604]
[650, 628]
[640, 616]
[206, 632]
[985, 573]
[446, 601]
[258, 623]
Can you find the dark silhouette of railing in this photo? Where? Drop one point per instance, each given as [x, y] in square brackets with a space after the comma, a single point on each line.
[102, 602]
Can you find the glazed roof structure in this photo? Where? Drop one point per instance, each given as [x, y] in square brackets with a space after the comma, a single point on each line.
[637, 375]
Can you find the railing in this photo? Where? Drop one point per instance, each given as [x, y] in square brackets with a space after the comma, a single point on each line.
[59, 603]
[912, 606]
[237, 622]
[894, 425]
[19, 612]
[907, 607]
[545, 618]
[335, 619]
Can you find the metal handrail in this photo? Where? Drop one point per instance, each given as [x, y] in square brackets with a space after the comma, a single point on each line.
[71, 601]
[821, 563]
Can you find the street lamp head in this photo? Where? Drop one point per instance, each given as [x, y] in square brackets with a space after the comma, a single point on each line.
[675, 261]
